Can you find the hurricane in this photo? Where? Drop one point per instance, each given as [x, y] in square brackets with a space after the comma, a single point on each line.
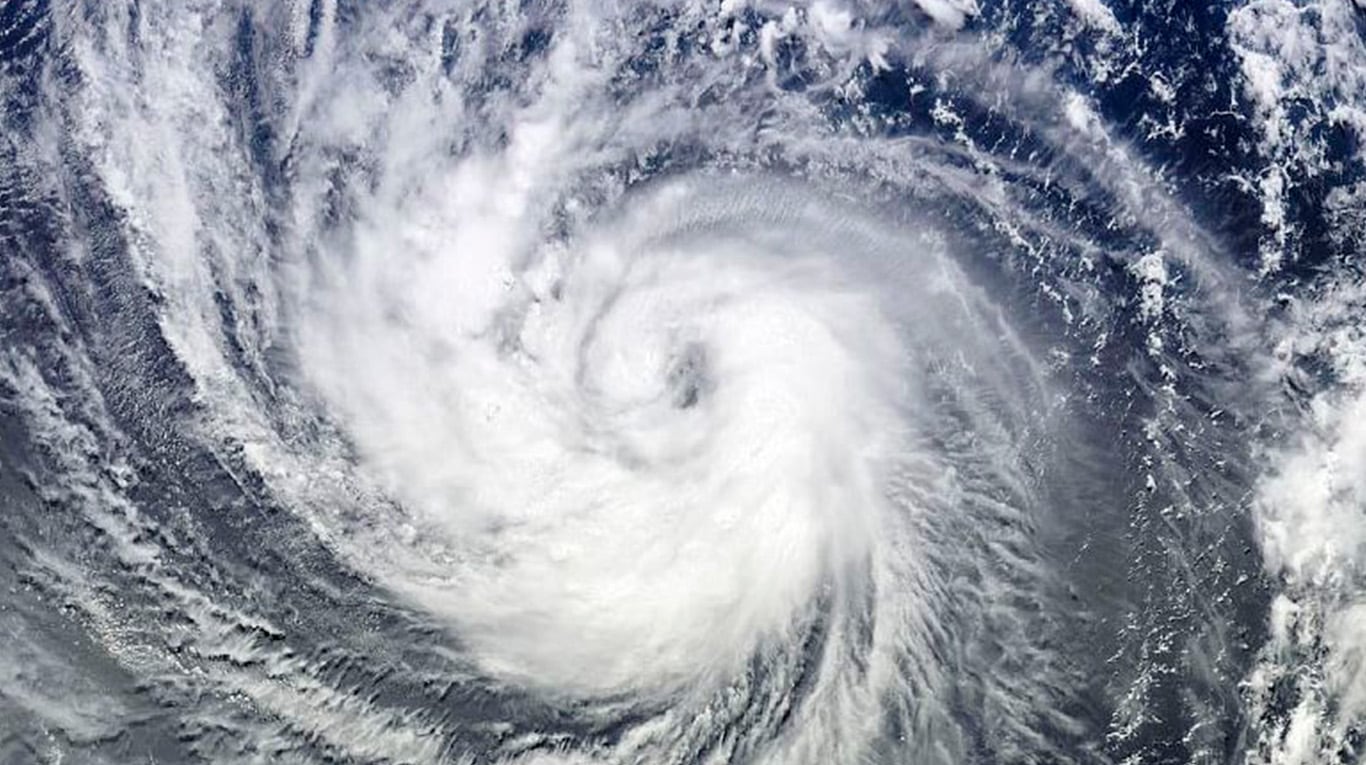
[712, 381]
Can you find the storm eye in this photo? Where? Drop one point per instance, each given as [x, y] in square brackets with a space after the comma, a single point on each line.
[688, 381]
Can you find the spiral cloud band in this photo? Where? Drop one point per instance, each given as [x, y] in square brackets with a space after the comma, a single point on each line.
[666, 449]
[657, 445]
